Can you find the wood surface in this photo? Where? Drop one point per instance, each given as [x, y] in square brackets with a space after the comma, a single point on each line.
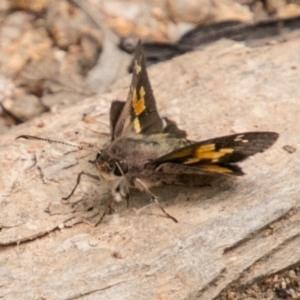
[235, 232]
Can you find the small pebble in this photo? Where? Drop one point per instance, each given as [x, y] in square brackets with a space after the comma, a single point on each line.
[283, 284]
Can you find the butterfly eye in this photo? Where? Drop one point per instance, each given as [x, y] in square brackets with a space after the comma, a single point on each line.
[121, 168]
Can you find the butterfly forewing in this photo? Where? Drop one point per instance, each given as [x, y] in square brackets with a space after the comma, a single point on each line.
[139, 113]
[218, 155]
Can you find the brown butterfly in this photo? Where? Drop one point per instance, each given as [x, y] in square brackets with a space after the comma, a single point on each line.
[146, 150]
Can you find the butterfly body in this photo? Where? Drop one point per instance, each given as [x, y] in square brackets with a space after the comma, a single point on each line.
[140, 149]
[135, 152]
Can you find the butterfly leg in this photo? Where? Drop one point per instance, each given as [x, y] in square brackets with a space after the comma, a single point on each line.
[142, 185]
[108, 208]
[78, 181]
[120, 193]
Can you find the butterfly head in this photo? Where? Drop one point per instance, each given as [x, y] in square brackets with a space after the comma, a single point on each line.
[109, 167]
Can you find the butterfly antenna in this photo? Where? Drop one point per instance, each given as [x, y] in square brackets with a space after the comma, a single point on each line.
[32, 137]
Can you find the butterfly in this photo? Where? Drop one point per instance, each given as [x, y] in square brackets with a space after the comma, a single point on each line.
[147, 150]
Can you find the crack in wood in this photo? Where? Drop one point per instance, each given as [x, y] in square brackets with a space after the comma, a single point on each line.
[261, 231]
[78, 296]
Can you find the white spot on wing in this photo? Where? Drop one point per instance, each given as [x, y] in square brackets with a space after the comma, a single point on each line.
[239, 138]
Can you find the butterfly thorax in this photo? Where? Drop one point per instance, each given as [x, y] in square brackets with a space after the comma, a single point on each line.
[138, 149]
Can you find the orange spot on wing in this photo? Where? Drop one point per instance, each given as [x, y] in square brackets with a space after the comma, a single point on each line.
[136, 125]
[138, 104]
[208, 152]
[215, 168]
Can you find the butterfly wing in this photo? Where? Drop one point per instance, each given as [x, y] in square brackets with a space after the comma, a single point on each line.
[139, 113]
[217, 155]
[116, 109]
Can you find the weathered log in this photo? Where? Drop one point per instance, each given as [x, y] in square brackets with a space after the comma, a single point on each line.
[237, 232]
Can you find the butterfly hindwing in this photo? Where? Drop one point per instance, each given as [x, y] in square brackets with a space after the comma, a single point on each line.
[172, 129]
[139, 113]
[116, 109]
[220, 154]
